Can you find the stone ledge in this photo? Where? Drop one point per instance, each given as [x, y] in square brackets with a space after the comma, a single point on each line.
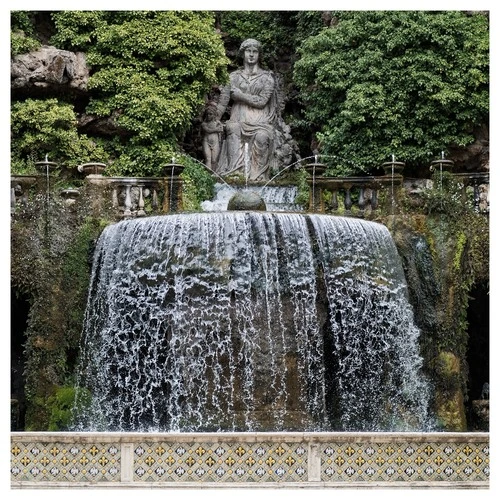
[315, 485]
[260, 459]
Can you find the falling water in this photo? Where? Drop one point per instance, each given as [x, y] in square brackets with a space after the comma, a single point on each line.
[249, 321]
[276, 198]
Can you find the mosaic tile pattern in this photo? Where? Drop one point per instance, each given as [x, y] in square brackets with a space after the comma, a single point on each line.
[220, 462]
[53, 461]
[430, 461]
[447, 459]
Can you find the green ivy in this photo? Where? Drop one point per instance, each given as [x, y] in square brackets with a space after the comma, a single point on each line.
[303, 187]
[61, 406]
[279, 32]
[75, 277]
[407, 83]
[198, 184]
[151, 71]
[446, 196]
[42, 127]
[22, 38]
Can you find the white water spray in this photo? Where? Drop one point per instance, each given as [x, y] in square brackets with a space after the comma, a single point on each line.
[249, 322]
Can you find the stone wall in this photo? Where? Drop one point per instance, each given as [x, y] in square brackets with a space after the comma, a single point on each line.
[44, 460]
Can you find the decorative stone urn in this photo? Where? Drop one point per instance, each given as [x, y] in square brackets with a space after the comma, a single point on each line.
[172, 169]
[442, 165]
[46, 166]
[393, 167]
[92, 168]
[315, 169]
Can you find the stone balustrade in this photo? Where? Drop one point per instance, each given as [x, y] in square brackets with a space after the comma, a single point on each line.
[275, 459]
[128, 196]
[365, 189]
[480, 183]
[140, 196]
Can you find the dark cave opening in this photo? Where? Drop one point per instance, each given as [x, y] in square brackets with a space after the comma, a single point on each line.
[478, 358]
[19, 311]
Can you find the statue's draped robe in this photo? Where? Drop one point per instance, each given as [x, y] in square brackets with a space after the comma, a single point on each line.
[257, 114]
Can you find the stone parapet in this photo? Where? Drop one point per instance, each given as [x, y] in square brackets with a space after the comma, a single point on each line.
[290, 460]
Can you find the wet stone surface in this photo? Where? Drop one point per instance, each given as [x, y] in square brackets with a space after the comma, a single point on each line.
[247, 200]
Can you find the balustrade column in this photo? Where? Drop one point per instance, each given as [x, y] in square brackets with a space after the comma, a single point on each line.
[374, 199]
[361, 200]
[140, 211]
[347, 199]
[335, 199]
[114, 199]
[476, 198]
[12, 200]
[128, 202]
[154, 200]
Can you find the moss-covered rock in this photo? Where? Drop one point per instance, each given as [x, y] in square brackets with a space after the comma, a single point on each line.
[450, 411]
[246, 200]
[50, 265]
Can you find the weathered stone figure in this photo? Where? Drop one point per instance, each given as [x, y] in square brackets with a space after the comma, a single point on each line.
[212, 137]
[250, 129]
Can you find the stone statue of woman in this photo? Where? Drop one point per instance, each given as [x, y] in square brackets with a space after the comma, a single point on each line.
[250, 129]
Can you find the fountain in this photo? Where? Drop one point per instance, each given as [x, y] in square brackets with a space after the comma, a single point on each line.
[441, 165]
[249, 321]
[45, 167]
[245, 345]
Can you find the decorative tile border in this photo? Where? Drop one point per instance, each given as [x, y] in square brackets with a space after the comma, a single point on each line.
[405, 461]
[45, 460]
[36, 461]
[220, 462]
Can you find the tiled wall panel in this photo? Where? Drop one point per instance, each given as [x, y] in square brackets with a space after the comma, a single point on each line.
[42, 461]
[220, 462]
[405, 461]
[279, 459]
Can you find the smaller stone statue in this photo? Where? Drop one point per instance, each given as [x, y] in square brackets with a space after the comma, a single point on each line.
[212, 137]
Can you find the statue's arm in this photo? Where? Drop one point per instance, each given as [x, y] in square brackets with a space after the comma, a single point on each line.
[223, 101]
[255, 101]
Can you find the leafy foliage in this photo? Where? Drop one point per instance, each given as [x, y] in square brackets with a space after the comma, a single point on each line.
[446, 196]
[41, 127]
[61, 404]
[22, 33]
[198, 184]
[278, 32]
[154, 68]
[407, 83]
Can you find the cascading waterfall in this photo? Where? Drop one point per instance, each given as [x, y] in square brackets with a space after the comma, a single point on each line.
[276, 198]
[241, 321]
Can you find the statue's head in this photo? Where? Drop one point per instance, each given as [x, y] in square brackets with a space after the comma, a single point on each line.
[211, 111]
[250, 42]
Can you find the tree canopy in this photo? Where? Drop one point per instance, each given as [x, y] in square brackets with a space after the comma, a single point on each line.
[151, 71]
[366, 85]
[407, 83]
